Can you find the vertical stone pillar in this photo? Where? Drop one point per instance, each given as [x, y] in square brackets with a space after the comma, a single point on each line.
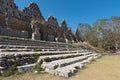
[66, 40]
[72, 39]
[6, 21]
[36, 34]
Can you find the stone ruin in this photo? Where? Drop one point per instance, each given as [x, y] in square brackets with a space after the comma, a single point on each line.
[29, 23]
[19, 23]
[63, 62]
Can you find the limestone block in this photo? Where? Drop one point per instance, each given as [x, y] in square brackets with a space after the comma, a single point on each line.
[50, 38]
[36, 36]
[13, 33]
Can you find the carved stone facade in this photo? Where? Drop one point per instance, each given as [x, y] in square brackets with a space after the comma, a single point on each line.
[32, 23]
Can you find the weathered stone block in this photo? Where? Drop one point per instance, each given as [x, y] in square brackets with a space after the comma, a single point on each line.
[36, 36]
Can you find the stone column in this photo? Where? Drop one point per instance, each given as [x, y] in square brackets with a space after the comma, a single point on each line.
[36, 34]
[66, 40]
[72, 39]
[6, 20]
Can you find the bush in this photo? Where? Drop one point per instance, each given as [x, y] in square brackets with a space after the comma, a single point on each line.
[77, 67]
[47, 59]
[39, 49]
[36, 56]
[93, 59]
[19, 73]
[11, 71]
[38, 67]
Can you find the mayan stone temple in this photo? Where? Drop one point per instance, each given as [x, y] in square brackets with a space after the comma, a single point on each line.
[27, 40]
[29, 23]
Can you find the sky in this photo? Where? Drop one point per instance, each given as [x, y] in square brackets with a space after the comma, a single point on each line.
[75, 11]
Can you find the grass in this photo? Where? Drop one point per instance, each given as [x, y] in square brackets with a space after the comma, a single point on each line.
[105, 68]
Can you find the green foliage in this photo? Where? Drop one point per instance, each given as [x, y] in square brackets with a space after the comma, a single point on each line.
[105, 33]
[47, 59]
[77, 67]
[81, 30]
[36, 56]
[38, 66]
[11, 71]
[93, 59]
[39, 49]
[19, 73]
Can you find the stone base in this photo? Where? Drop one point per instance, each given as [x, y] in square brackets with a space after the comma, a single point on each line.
[61, 40]
[13, 33]
[36, 36]
[50, 38]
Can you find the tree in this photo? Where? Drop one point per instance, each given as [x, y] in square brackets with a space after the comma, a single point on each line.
[109, 31]
[82, 29]
[77, 35]
[104, 33]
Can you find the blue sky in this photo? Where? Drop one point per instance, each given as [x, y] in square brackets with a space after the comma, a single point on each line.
[76, 11]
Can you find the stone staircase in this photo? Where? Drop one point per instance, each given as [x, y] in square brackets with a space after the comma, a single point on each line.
[64, 59]
[67, 66]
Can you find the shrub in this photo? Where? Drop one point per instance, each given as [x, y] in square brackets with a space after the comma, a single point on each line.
[11, 71]
[39, 49]
[93, 59]
[38, 67]
[77, 67]
[19, 73]
[35, 55]
[41, 61]
[47, 59]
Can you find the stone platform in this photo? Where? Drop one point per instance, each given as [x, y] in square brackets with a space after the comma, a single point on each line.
[64, 58]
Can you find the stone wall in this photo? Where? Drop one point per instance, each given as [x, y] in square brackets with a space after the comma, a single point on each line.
[30, 43]
[18, 24]
[61, 40]
[12, 17]
[13, 33]
[2, 19]
[50, 38]
[17, 59]
[14, 23]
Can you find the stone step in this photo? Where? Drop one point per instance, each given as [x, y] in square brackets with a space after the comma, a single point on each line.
[23, 42]
[25, 67]
[14, 50]
[40, 44]
[36, 48]
[63, 62]
[42, 52]
[62, 56]
[11, 47]
[30, 66]
[66, 71]
[69, 70]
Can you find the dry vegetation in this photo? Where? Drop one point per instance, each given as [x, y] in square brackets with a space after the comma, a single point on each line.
[106, 68]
